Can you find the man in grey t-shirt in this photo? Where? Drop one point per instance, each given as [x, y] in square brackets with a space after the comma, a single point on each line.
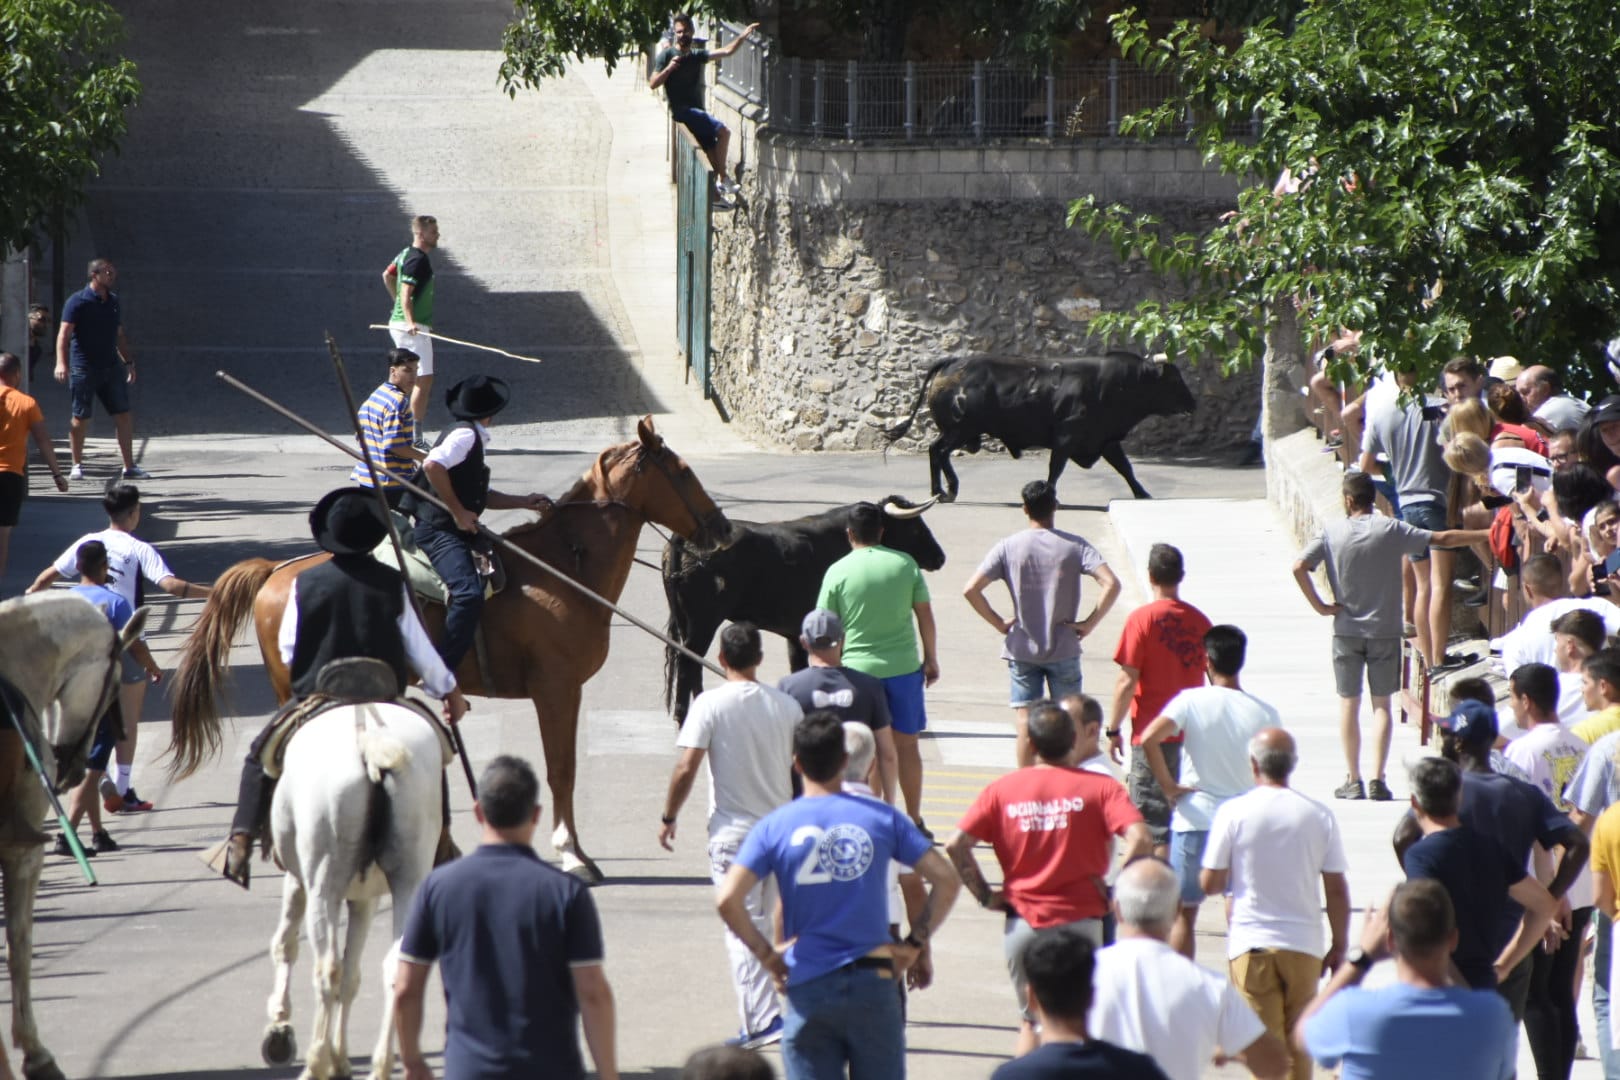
[1363, 555]
[1042, 567]
[1409, 436]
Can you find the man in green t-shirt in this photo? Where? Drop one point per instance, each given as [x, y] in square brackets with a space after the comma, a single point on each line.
[409, 280]
[678, 69]
[877, 592]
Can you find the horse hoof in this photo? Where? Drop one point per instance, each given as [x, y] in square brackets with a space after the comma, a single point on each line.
[42, 1070]
[279, 1046]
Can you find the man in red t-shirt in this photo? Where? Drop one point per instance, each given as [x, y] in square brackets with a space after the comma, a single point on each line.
[1050, 825]
[1160, 654]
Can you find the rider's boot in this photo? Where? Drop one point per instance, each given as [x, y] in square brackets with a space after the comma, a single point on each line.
[252, 813]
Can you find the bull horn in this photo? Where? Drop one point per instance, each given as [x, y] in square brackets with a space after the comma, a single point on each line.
[902, 513]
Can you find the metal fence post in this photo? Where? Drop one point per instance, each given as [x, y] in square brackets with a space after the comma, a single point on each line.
[978, 99]
[765, 82]
[1113, 97]
[817, 100]
[795, 80]
[852, 82]
[911, 99]
[1051, 103]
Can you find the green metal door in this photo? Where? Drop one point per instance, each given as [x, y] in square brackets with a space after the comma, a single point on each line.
[692, 187]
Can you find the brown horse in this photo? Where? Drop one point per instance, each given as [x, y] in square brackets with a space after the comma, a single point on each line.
[542, 639]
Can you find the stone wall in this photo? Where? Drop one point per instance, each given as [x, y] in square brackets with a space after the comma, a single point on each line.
[825, 313]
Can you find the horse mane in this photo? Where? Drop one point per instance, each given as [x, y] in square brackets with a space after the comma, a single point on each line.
[589, 489]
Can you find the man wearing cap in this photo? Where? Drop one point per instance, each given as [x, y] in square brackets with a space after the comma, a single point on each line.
[456, 471]
[1543, 391]
[846, 693]
[350, 606]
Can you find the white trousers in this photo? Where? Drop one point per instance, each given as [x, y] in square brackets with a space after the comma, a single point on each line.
[756, 993]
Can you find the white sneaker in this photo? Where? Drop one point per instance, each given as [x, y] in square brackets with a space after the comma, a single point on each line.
[76, 473]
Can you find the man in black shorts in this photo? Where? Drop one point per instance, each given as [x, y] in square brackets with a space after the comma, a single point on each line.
[846, 693]
[102, 367]
[20, 418]
[678, 69]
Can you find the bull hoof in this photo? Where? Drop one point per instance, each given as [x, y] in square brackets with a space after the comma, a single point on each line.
[279, 1046]
[42, 1070]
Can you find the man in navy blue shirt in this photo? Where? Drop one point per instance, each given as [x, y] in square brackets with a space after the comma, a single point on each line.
[829, 853]
[1059, 967]
[102, 365]
[519, 949]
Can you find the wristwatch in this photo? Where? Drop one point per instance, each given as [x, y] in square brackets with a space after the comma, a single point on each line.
[1360, 959]
[1114, 733]
[666, 820]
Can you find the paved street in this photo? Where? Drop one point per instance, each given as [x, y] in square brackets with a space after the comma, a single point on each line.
[268, 178]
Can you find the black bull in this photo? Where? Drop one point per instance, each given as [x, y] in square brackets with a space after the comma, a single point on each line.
[1081, 408]
[768, 574]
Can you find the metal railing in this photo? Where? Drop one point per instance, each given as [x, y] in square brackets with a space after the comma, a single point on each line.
[851, 99]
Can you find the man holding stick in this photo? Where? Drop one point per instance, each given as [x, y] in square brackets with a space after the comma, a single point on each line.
[409, 281]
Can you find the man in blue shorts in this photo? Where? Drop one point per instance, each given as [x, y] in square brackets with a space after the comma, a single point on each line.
[876, 592]
[519, 949]
[678, 69]
[92, 565]
[102, 365]
[829, 853]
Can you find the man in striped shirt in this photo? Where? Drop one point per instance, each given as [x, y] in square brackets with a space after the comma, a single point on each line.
[390, 428]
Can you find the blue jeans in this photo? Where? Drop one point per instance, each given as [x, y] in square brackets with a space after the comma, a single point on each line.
[450, 550]
[851, 1016]
[1186, 859]
[1059, 677]
[1600, 995]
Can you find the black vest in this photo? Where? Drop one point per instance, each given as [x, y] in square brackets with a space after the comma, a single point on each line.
[469, 480]
[348, 607]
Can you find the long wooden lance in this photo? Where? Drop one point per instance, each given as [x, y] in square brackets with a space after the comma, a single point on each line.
[423, 493]
[393, 532]
[458, 341]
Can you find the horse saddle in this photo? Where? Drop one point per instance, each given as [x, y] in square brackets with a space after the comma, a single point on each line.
[418, 569]
[343, 682]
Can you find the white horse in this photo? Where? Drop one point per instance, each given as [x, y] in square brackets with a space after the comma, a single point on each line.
[356, 814]
[61, 655]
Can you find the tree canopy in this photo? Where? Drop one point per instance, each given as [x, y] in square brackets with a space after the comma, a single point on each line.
[62, 103]
[1457, 183]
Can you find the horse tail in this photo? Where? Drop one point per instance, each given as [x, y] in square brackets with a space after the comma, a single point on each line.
[678, 623]
[383, 753]
[199, 679]
[900, 429]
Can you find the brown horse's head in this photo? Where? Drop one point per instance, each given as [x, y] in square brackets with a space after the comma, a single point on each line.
[651, 479]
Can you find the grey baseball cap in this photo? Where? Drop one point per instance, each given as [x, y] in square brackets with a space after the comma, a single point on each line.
[822, 628]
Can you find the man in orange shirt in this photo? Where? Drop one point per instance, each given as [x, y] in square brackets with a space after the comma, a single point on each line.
[1160, 654]
[19, 418]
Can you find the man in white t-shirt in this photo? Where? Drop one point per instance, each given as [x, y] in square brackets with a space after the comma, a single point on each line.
[1546, 596]
[1150, 998]
[1216, 723]
[1268, 849]
[130, 560]
[743, 729]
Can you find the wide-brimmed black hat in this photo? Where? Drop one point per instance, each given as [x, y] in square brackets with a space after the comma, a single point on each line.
[476, 397]
[348, 521]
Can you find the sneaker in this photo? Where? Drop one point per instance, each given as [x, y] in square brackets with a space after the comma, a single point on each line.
[101, 842]
[746, 1041]
[66, 852]
[76, 473]
[1378, 791]
[111, 801]
[133, 803]
[1350, 789]
[928, 833]
[421, 444]
[135, 472]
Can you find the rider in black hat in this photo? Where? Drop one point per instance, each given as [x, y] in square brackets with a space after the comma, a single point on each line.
[455, 468]
[349, 607]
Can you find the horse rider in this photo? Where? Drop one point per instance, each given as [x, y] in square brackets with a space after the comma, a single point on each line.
[455, 468]
[349, 607]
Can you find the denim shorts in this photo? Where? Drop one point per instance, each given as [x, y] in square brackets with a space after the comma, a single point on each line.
[1060, 678]
[1424, 515]
[1186, 859]
[108, 732]
[704, 128]
[109, 384]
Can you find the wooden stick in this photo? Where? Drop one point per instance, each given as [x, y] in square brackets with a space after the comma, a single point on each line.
[458, 341]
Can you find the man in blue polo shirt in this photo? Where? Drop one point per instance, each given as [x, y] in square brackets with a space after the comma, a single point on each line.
[519, 949]
[102, 365]
[829, 852]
